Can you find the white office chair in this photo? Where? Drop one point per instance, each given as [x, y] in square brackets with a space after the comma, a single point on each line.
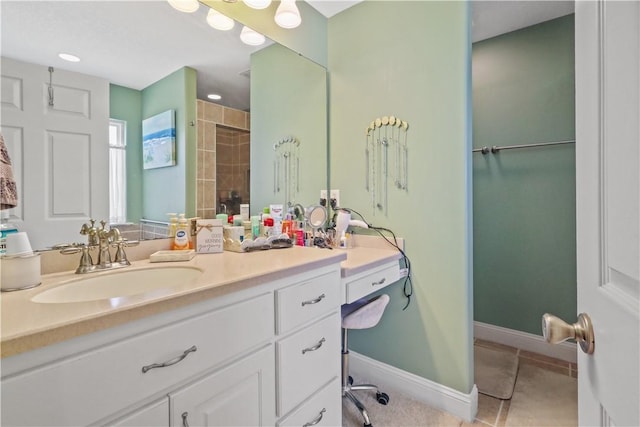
[362, 314]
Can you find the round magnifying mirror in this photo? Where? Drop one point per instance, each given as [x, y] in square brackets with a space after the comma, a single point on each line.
[316, 217]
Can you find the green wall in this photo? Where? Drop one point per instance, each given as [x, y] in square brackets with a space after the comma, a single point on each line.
[524, 200]
[152, 193]
[298, 87]
[412, 60]
[172, 189]
[126, 104]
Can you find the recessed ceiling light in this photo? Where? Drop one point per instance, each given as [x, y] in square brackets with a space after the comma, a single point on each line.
[214, 96]
[69, 57]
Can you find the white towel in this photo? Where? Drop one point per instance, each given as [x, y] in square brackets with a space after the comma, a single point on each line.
[8, 188]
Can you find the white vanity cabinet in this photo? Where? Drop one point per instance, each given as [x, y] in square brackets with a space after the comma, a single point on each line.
[308, 351]
[370, 280]
[222, 361]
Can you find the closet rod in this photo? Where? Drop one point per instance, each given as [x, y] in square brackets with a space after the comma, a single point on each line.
[495, 149]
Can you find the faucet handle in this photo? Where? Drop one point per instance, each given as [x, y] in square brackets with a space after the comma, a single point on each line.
[121, 256]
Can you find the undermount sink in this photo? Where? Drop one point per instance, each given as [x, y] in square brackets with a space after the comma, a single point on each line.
[117, 284]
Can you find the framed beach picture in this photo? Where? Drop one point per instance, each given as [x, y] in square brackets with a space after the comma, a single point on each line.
[159, 140]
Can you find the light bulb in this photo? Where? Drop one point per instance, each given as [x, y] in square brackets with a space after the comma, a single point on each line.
[257, 4]
[219, 21]
[188, 6]
[251, 37]
[288, 15]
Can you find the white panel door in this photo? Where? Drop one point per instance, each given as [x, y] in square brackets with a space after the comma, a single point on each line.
[60, 152]
[608, 191]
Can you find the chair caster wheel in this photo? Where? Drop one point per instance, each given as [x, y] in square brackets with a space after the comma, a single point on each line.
[367, 425]
[350, 380]
[383, 398]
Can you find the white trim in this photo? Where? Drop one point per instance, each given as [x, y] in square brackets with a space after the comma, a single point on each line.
[390, 379]
[525, 341]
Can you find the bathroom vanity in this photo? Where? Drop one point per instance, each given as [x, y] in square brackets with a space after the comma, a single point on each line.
[254, 340]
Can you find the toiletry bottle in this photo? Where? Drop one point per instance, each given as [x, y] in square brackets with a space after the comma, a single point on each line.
[255, 227]
[181, 240]
[173, 225]
[5, 228]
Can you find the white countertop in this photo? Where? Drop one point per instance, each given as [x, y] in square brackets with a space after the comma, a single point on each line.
[27, 325]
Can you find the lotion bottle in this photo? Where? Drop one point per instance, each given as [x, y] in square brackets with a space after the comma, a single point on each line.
[181, 239]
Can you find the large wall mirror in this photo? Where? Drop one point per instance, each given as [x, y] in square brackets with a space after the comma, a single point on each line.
[281, 94]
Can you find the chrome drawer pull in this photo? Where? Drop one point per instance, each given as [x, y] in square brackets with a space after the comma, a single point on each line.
[315, 347]
[316, 419]
[314, 301]
[170, 362]
[379, 282]
[185, 423]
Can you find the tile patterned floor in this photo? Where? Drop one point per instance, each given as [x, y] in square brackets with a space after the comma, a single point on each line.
[493, 412]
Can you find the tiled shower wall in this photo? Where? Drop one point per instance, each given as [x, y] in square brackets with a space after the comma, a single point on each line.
[223, 156]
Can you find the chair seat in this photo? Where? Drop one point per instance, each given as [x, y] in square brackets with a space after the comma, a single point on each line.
[364, 313]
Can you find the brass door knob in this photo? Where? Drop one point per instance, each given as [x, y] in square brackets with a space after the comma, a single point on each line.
[556, 330]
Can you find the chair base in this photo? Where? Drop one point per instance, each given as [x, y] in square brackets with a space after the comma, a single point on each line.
[347, 388]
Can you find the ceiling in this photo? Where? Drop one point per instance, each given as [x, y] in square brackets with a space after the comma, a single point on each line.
[135, 43]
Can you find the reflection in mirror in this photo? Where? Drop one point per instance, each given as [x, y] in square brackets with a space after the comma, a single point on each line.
[148, 59]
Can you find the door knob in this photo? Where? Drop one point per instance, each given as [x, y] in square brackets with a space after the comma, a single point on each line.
[556, 330]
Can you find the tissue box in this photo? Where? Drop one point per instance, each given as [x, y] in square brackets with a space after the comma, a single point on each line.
[233, 237]
[208, 236]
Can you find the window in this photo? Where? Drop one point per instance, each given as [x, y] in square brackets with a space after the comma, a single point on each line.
[117, 171]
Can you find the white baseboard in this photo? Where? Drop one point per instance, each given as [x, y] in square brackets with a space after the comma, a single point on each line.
[525, 341]
[390, 378]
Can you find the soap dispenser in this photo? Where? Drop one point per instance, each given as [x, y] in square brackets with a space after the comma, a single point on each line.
[181, 239]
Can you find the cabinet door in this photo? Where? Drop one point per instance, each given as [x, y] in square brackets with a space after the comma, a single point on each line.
[155, 414]
[240, 394]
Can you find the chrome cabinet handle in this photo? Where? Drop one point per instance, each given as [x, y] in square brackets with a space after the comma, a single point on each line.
[379, 282]
[169, 362]
[185, 423]
[315, 347]
[316, 420]
[314, 301]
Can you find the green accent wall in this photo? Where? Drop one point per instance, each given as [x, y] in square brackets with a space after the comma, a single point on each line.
[288, 98]
[172, 189]
[126, 104]
[524, 200]
[412, 60]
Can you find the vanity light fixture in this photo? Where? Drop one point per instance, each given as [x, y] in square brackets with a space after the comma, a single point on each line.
[69, 57]
[188, 6]
[288, 15]
[219, 21]
[251, 37]
[257, 4]
[214, 96]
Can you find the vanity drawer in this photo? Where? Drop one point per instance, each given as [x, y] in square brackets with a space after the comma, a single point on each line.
[362, 285]
[306, 360]
[95, 384]
[325, 407]
[307, 300]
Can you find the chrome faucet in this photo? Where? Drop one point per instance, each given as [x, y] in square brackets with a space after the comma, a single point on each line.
[102, 239]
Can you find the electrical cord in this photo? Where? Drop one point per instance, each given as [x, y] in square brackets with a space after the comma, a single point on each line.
[407, 287]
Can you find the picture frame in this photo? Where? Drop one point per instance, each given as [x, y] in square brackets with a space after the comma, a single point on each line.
[159, 140]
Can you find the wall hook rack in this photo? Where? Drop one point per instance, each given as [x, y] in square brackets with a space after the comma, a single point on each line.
[286, 169]
[385, 144]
